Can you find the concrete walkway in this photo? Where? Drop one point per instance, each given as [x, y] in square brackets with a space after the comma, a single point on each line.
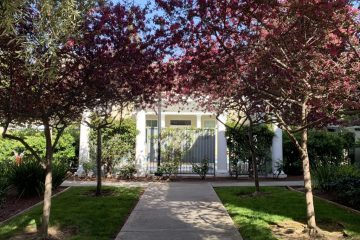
[180, 210]
[177, 211]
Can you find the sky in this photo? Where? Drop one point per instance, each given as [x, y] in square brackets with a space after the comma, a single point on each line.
[139, 2]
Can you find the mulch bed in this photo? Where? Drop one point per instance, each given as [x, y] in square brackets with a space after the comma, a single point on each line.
[13, 204]
[318, 193]
[324, 195]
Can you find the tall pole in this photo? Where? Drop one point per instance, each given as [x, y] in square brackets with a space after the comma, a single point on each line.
[159, 132]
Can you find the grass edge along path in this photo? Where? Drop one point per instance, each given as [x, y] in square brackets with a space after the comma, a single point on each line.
[77, 214]
[254, 215]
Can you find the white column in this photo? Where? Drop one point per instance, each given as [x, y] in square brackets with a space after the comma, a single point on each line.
[163, 120]
[140, 151]
[84, 146]
[198, 121]
[277, 150]
[221, 167]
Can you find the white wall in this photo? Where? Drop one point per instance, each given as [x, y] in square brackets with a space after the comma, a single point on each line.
[84, 147]
[277, 150]
[140, 154]
[221, 155]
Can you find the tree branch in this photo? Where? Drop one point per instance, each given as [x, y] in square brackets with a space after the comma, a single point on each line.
[58, 135]
[22, 141]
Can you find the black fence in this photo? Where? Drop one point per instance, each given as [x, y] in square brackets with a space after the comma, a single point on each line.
[188, 146]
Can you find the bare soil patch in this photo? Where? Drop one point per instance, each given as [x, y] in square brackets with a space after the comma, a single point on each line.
[14, 205]
[55, 233]
[288, 230]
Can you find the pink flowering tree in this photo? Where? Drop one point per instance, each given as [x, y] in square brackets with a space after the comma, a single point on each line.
[295, 60]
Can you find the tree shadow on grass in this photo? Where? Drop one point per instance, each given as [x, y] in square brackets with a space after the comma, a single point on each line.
[255, 215]
[75, 213]
[25, 223]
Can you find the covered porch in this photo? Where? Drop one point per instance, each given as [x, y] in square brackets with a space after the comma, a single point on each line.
[202, 135]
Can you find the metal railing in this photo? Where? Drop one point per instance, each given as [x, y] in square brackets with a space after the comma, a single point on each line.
[187, 146]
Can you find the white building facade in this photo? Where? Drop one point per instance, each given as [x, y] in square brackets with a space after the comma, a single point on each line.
[210, 140]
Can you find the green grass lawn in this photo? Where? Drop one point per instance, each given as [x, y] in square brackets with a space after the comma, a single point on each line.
[80, 215]
[255, 215]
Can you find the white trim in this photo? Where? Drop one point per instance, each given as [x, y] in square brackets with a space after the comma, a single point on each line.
[141, 143]
[221, 154]
[198, 121]
[181, 113]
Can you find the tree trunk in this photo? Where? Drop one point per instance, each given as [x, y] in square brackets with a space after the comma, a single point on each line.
[48, 181]
[310, 210]
[98, 161]
[253, 159]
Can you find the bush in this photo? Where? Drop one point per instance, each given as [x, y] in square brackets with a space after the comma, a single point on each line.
[169, 167]
[347, 190]
[174, 145]
[324, 148]
[323, 176]
[118, 146]
[29, 177]
[89, 167]
[4, 182]
[3, 188]
[239, 148]
[128, 171]
[202, 168]
[342, 181]
[59, 174]
[66, 151]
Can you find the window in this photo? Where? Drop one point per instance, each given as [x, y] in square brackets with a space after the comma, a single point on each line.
[151, 123]
[180, 122]
[209, 124]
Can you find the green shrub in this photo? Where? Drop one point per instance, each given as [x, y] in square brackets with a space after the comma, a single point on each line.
[347, 190]
[65, 151]
[29, 177]
[128, 171]
[4, 182]
[2, 193]
[174, 145]
[239, 148]
[342, 181]
[118, 144]
[201, 168]
[59, 174]
[324, 148]
[326, 174]
[323, 176]
[169, 166]
[89, 166]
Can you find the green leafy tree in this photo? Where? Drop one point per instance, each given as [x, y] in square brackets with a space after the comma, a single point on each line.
[39, 75]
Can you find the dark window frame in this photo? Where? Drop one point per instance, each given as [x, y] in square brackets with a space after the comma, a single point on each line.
[180, 122]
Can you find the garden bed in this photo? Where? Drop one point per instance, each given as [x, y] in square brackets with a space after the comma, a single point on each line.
[77, 214]
[281, 214]
[326, 195]
[14, 205]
